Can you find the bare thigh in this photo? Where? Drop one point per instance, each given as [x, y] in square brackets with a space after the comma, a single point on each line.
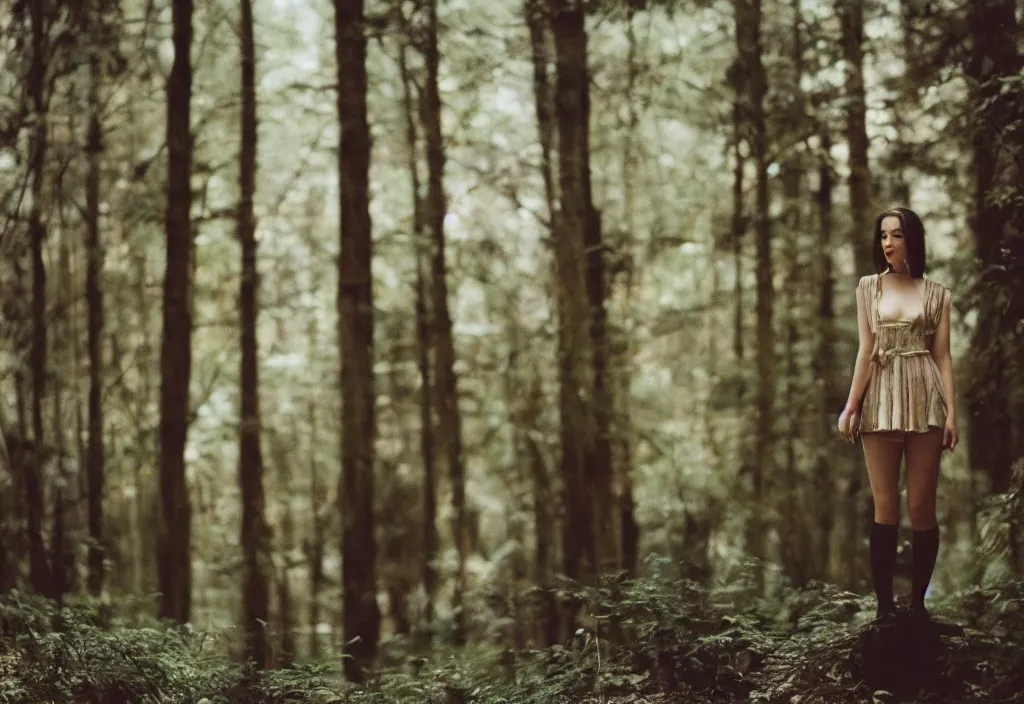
[882, 454]
[924, 452]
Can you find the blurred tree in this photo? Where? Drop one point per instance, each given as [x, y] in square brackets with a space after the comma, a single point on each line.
[174, 557]
[254, 532]
[361, 615]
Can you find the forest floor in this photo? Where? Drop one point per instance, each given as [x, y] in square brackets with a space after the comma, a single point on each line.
[656, 644]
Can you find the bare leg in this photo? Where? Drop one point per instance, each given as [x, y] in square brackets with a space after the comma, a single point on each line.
[882, 454]
[924, 451]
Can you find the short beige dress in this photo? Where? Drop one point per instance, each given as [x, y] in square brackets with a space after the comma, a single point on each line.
[905, 392]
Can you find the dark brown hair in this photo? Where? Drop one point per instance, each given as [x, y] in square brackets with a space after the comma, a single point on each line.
[913, 236]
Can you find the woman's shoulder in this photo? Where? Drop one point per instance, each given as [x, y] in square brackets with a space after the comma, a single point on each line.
[868, 280]
[937, 286]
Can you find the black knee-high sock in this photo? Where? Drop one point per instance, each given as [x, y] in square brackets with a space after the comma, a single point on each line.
[883, 562]
[926, 549]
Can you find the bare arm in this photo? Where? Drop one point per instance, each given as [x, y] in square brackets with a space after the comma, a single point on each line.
[943, 358]
[862, 367]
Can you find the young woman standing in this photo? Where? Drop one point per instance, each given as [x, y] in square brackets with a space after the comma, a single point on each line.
[901, 399]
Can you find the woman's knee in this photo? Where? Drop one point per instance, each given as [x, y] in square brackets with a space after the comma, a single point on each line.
[887, 509]
[921, 512]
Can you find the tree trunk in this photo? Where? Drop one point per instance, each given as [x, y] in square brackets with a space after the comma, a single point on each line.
[993, 29]
[254, 533]
[448, 416]
[748, 36]
[428, 568]
[590, 544]
[629, 531]
[825, 368]
[360, 613]
[739, 226]
[39, 570]
[175, 565]
[544, 98]
[851, 17]
[315, 546]
[94, 311]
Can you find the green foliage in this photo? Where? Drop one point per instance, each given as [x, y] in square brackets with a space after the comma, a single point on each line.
[67, 655]
[661, 638]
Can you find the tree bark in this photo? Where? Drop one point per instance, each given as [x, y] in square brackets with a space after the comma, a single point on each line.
[254, 532]
[175, 564]
[360, 613]
[428, 567]
[748, 37]
[94, 312]
[544, 99]
[39, 570]
[315, 545]
[629, 530]
[825, 366]
[590, 544]
[739, 226]
[447, 398]
[851, 17]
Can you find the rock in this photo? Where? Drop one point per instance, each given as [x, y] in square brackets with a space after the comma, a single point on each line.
[904, 656]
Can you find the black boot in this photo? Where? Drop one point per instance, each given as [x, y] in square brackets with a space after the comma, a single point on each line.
[926, 550]
[883, 564]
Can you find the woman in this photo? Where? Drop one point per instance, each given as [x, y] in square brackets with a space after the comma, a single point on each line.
[901, 399]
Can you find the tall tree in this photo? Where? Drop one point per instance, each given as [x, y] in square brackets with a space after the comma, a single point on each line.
[448, 417]
[94, 313]
[851, 17]
[428, 567]
[544, 513]
[175, 563]
[748, 18]
[994, 54]
[39, 571]
[824, 361]
[590, 543]
[360, 613]
[254, 534]
[629, 531]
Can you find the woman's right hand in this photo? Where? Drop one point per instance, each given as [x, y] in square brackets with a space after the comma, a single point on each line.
[849, 423]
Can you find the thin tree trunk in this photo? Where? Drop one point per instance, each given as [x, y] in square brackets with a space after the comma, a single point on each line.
[544, 99]
[545, 521]
[94, 311]
[360, 613]
[175, 564]
[286, 650]
[590, 543]
[851, 17]
[62, 562]
[428, 569]
[825, 366]
[739, 226]
[315, 548]
[39, 570]
[448, 416]
[629, 530]
[254, 533]
[748, 37]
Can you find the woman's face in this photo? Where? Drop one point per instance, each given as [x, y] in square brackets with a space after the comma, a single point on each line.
[893, 243]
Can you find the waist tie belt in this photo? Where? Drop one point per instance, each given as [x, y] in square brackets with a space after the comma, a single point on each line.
[883, 357]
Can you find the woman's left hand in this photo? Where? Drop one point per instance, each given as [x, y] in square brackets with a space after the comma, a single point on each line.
[949, 436]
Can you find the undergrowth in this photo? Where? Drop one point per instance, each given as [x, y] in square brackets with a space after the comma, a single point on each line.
[660, 639]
